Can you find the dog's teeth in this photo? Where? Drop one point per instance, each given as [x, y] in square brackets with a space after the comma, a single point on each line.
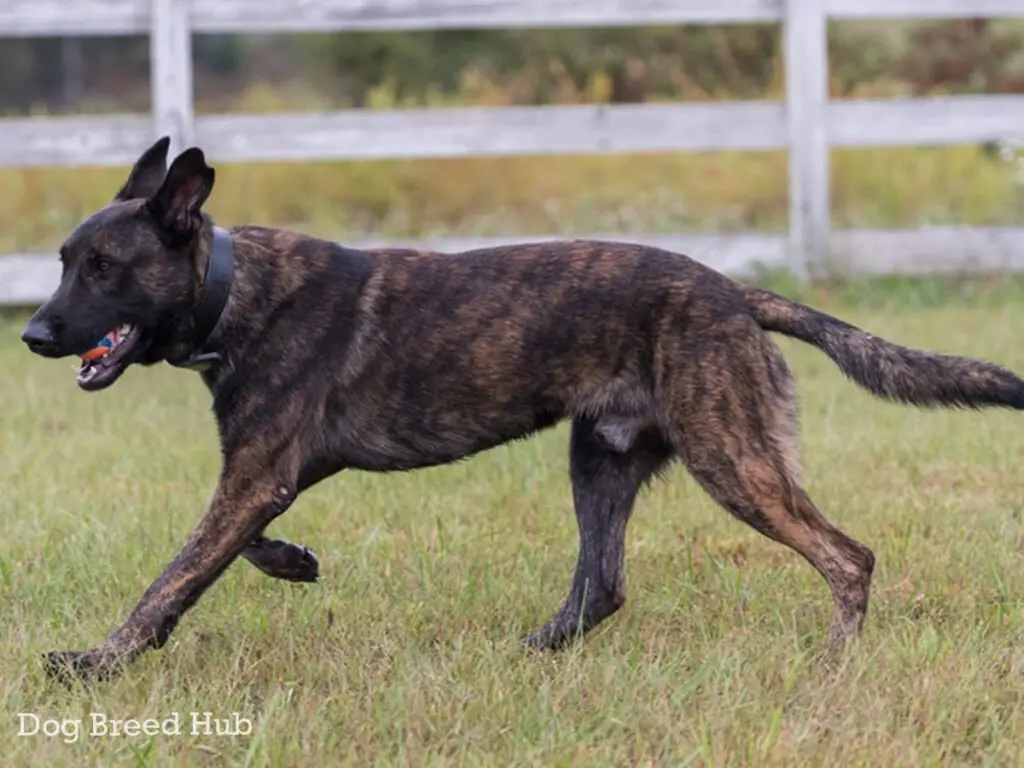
[124, 330]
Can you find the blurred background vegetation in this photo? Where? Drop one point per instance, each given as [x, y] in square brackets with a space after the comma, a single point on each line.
[710, 192]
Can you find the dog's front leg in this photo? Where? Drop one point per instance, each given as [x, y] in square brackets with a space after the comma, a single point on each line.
[245, 502]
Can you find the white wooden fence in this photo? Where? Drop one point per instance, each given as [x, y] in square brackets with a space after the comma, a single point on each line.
[807, 123]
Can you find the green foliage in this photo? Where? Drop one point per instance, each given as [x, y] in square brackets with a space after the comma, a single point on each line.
[219, 55]
[968, 56]
[534, 66]
[641, 64]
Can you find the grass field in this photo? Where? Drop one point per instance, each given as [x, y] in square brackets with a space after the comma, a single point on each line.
[406, 652]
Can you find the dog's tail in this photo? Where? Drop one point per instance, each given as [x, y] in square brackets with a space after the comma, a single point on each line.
[888, 370]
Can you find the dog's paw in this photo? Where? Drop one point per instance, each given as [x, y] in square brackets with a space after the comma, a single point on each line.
[550, 637]
[306, 568]
[534, 642]
[284, 560]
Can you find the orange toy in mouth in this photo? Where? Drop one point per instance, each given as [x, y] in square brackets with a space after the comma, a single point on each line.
[101, 349]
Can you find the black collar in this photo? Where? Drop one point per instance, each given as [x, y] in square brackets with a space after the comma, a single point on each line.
[220, 269]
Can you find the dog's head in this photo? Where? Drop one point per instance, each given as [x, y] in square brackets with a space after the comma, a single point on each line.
[130, 268]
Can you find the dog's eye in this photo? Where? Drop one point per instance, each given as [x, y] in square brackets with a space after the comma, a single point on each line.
[101, 264]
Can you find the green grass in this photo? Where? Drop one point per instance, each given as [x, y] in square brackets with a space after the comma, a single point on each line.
[406, 653]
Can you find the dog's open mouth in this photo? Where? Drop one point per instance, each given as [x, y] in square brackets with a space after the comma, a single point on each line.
[103, 370]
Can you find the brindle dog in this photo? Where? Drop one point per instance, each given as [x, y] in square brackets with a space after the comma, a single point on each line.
[321, 357]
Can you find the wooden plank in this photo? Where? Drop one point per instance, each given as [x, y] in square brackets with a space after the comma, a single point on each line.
[925, 122]
[90, 17]
[42, 18]
[461, 132]
[102, 17]
[28, 279]
[929, 250]
[923, 9]
[806, 61]
[171, 73]
[349, 15]
[466, 132]
[69, 141]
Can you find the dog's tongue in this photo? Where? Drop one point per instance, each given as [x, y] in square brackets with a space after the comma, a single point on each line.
[101, 349]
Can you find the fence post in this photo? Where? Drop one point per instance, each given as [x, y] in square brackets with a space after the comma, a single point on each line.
[806, 65]
[171, 73]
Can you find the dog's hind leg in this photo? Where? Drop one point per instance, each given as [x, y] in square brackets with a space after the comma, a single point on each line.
[605, 483]
[282, 559]
[734, 432]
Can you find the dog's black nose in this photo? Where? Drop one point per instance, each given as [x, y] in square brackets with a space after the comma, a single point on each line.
[40, 337]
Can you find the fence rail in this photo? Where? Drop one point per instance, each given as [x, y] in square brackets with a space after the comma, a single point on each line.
[806, 124]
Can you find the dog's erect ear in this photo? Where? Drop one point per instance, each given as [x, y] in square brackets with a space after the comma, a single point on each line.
[177, 205]
[147, 174]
